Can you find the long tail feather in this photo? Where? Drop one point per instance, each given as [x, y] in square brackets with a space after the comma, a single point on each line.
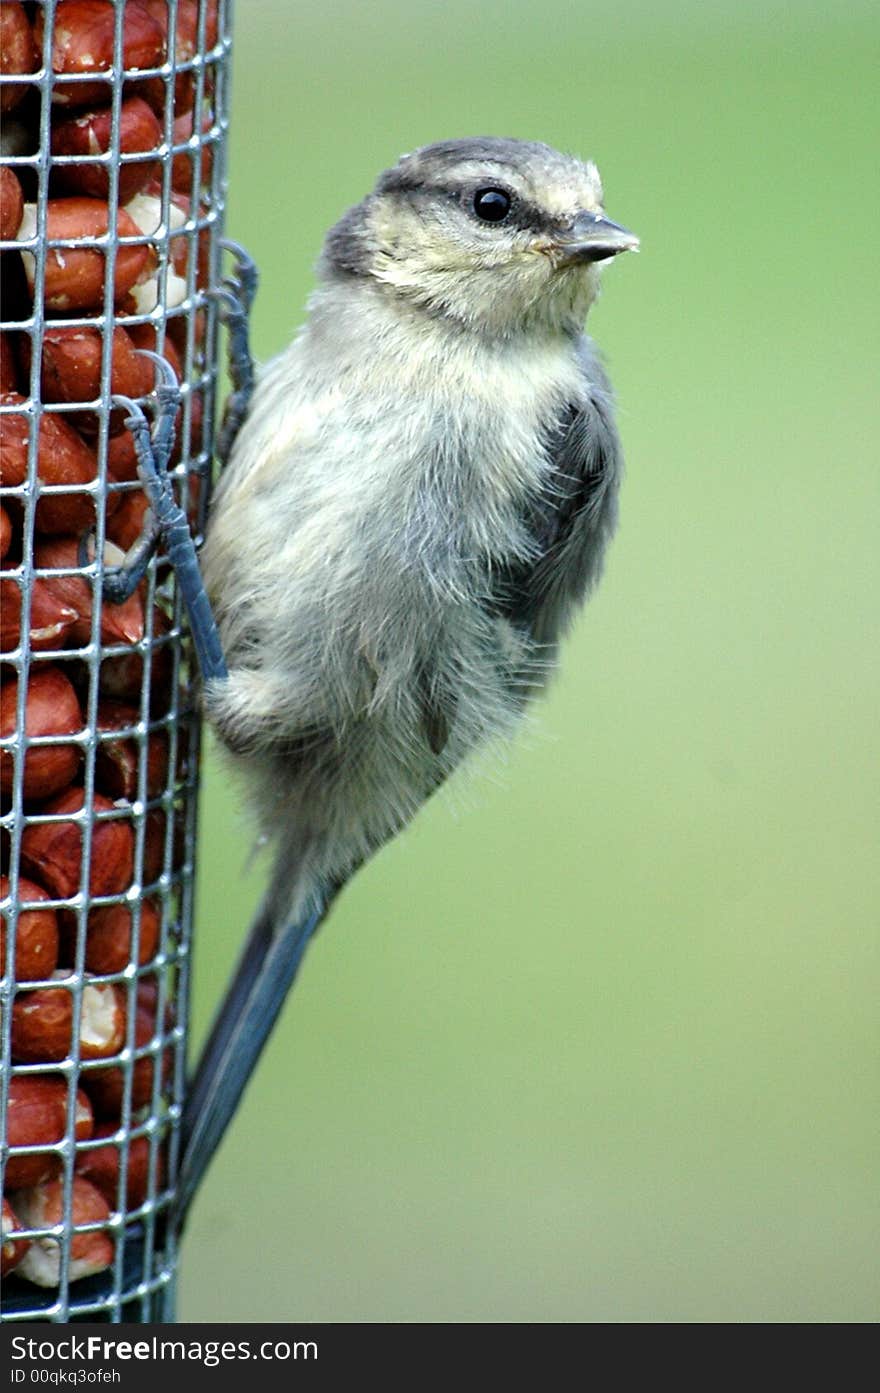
[243, 1024]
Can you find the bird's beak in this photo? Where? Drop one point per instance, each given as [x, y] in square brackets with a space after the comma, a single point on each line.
[593, 237]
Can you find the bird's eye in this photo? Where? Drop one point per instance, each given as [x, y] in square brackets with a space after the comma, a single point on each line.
[491, 205]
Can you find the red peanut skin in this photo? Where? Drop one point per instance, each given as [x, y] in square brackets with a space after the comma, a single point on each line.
[11, 204]
[101, 1167]
[5, 533]
[109, 937]
[123, 623]
[17, 52]
[106, 1087]
[117, 756]
[42, 1025]
[185, 42]
[43, 1021]
[75, 275]
[36, 1116]
[127, 522]
[51, 708]
[63, 457]
[90, 1252]
[51, 852]
[182, 165]
[71, 372]
[51, 620]
[36, 933]
[82, 42]
[8, 363]
[89, 133]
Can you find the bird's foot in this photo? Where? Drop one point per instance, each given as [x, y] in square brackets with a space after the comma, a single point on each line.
[166, 522]
[153, 450]
[236, 296]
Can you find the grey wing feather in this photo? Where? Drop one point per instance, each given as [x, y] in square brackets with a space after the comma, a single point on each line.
[572, 519]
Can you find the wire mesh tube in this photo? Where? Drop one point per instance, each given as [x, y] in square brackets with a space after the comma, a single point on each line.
[113, 193]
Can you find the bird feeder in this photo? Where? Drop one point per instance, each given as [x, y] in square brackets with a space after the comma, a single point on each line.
[113, 197]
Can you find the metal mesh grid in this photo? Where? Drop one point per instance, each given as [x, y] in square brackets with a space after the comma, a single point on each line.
[109, 1036]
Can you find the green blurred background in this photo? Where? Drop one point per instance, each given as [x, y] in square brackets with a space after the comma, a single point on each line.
[595, 1040]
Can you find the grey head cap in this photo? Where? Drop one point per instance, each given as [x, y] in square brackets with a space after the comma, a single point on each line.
[433, 163]
[550, 187]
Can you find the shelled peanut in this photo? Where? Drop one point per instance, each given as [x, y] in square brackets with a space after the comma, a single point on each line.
[107, 179]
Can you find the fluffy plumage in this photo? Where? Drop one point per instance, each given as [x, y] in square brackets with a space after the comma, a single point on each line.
[420, 497]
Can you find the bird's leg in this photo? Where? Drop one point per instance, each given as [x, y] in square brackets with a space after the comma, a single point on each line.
[153, 451]
[236, 297]
[273, 954]
[168, 522]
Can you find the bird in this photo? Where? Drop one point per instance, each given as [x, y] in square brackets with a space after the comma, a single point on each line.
[417, 502]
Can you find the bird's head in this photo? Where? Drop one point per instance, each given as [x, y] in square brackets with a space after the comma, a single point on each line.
[496, 234]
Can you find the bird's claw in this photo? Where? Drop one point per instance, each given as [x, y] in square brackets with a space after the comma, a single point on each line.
[167, 389]
[244, 280]
[153, 450]
[234, 296]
